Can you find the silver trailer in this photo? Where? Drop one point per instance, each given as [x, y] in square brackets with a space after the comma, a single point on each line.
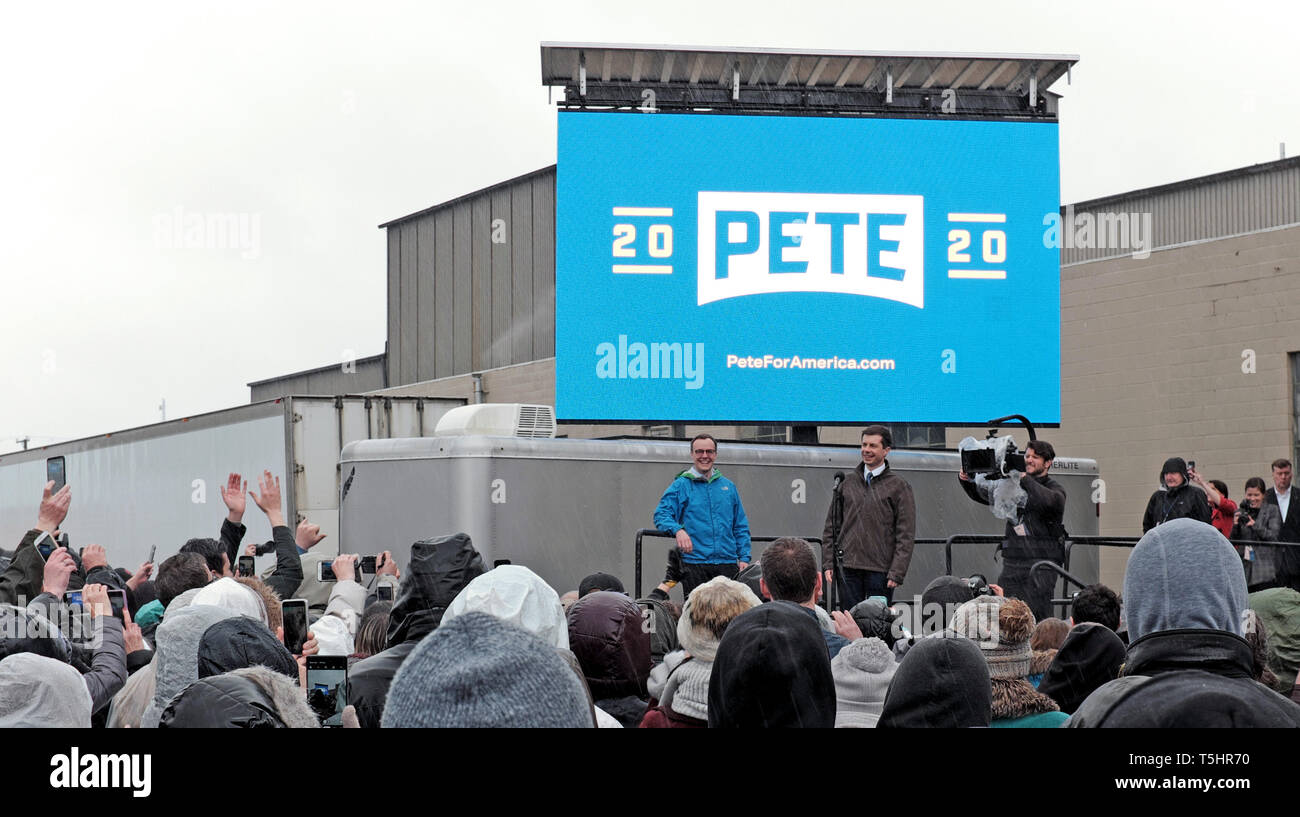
[160, 484]
[567, 508]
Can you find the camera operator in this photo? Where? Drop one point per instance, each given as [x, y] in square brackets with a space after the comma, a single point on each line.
[1038, 535]
[1256, 521]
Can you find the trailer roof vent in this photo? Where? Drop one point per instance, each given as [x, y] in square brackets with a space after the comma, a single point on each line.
[498, 420]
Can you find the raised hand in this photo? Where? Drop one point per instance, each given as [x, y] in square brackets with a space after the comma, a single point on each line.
[269, 499]
[234, 494]
[308, 535]
[54, 507]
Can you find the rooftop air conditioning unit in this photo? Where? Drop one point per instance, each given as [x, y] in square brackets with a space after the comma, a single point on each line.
[498, 420]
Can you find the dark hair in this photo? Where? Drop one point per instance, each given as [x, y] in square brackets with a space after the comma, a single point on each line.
[1282, 463]
[184, 571]
[1043, 449]
[372, 632]
[1098, 603]
[1257, 483]
[703, 436]
[211, 551]
[789, 570]
[886, 438]
[1220, 486]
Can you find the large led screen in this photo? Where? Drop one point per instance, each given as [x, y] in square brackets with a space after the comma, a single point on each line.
[805, 269]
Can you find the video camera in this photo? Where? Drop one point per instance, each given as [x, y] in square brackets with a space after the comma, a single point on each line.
[995, 457]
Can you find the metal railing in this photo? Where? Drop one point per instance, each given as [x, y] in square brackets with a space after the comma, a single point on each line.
[636, 583]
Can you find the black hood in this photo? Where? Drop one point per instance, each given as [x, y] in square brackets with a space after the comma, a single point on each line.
[439, 569]
[1175, 465]
[1090, 657]
[772, 670]
[240, 642]
[943, 681]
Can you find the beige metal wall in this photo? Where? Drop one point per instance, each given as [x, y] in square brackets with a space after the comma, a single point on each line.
[1152, 356]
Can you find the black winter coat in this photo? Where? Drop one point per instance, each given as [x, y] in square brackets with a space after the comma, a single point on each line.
[1184, 502]
[1187, 678]
[439, 570]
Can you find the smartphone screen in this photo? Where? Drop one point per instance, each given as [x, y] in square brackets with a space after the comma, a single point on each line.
[54, 470]
[368, 564]
[295, 624]
[45, 547]
[118, 599]
[325, 572]
[72, 598]
[384, 592]
[327, 687]
[246, 566]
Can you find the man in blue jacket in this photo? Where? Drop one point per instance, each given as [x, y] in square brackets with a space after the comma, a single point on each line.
[702, 509]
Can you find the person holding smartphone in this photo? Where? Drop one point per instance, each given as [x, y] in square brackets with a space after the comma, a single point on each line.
[22, 578]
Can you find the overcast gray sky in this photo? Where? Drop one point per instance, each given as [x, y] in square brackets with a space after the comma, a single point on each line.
[311, 123]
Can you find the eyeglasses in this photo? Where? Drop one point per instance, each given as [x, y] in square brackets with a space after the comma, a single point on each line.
[699, 452]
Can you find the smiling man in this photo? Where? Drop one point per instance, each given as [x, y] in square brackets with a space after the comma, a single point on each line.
[879, 525]
[1038, 534]
[702, 509]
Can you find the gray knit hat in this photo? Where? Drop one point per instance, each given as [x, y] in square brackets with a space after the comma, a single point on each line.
[479, 671]
[1002, 628]
[862, 673]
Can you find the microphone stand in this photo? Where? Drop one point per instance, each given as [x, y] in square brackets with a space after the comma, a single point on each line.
[834, 593]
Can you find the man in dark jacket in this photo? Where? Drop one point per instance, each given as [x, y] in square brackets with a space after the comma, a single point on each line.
[1039, 534]
[1177, 499]
[1188, 664]
[878, 525]
[439, 569]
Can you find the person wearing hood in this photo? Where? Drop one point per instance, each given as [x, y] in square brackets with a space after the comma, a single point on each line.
[862, 673]
[253, 697]
[679, 687]
[518, 596]
[1176, 498]
[439, 569]
[943, 683]
[477, 671]
[613, 650]
[772, 670]
[1002, 628]
[1090, 656]
[939, 600]
[1188, 663]
[177, 665]
[37, 691]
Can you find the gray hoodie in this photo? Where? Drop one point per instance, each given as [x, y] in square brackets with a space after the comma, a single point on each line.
[1184, 575]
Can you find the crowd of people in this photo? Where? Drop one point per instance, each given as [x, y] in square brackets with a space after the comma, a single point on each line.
[199, 644]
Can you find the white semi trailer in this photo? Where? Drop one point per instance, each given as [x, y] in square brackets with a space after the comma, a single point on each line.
[567, 508]
[160, 484]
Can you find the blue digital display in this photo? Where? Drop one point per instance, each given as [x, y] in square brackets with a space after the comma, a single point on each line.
[805, 269]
